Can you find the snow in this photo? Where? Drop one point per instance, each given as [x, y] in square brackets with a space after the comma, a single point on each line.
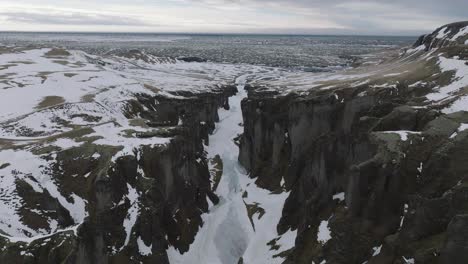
[394, 74]
[420, 168]
[66, 143]
[132, 214]
[47, 121]
[460, 129]
[113, 135]
[38, 76]
[377, 250]
[227, 233]
[460, 80]
[402, 133]
[416, 49]
[10, 221]
[416, 84]
[461, 33]
[87, 94]
[459, 105]
[28, 79]
[77, 208]
[359, 83]
[30, 168]
[442, 33]
[339, 196]
[324, 233]
[385, 85]
[34, 238]
[143, 248]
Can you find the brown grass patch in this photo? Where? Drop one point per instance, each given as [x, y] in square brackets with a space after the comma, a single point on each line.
[50, 101]
[69, 75]
[61, 62]
[57, 52]
[88, 98]
[152, 88]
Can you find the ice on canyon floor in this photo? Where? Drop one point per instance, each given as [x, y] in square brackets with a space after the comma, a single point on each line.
[227, 233]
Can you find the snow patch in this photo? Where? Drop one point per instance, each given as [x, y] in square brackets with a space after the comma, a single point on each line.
[461, 128]
[132, 215]
[442, 33]
[376, 250]
[143, 248]
[31, 169]
[402, 133]
[461, 33]
[339, 196]
[66, 143]
[460, 80]
[324, 233]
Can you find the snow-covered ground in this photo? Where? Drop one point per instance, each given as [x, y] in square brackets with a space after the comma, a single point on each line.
[46, 93]
[23, 165]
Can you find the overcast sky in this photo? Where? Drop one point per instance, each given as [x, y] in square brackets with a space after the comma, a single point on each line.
[396, 17]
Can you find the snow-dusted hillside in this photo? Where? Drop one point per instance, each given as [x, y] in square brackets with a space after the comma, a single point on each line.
[85, 136]
[69, 117]
[445, 36]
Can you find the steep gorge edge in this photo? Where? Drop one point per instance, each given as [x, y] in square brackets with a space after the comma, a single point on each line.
[405, 199]
[165, 189]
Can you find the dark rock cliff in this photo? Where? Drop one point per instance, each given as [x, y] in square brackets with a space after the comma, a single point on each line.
[164, 188]
[405, 194]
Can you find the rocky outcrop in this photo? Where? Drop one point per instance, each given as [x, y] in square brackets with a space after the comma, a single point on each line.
[192, 59]
[448, 35]
[394, 156]
[151, 199]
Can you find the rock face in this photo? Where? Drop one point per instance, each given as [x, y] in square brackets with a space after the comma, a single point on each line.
[172, 183]
[117, 175]
[379, 163]
[448, 35]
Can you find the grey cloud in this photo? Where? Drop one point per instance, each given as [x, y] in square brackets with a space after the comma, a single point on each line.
[449, 7]
[71, 19]
[455, 8]
[409, 17]
[373, 15]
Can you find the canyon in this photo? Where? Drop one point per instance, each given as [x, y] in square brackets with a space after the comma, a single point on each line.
[132, 158]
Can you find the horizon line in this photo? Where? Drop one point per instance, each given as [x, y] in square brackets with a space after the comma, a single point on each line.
[211, 33]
